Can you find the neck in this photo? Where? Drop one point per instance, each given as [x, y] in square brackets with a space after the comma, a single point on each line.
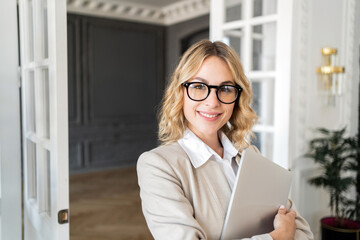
[212, 140]
[216, 146]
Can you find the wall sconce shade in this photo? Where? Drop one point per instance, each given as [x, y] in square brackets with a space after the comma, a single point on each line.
[326, 51]
[330, 69]
[329, 78]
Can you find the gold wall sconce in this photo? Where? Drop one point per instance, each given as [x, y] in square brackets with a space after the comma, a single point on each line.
[329, 78]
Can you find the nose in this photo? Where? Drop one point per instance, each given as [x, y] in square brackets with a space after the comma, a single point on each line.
[212, 99]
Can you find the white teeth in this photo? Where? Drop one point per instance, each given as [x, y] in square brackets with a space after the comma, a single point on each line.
[208, 115]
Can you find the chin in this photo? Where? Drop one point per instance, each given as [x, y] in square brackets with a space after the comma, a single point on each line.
[209, 130]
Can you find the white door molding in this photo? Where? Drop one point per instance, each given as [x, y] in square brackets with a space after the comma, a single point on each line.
[350, 56]
[299, 86]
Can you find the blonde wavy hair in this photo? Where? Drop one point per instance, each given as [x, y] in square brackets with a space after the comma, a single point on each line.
[172, 122]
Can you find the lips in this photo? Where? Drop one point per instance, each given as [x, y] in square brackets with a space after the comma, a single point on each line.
[209, 115]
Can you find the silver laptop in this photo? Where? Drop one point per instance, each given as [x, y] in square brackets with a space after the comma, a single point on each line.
[261, 186]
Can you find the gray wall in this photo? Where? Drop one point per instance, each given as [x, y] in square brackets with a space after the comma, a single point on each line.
[174, 36]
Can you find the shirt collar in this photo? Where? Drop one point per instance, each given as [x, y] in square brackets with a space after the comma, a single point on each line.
[199, 153]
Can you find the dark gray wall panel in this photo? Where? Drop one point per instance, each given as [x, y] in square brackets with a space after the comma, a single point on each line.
[108, 153]
[76, 156]
[124, 77]
[126, 83]
[116, 79]
[74, 69]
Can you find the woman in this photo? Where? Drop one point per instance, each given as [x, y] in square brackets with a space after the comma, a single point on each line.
[205, 122]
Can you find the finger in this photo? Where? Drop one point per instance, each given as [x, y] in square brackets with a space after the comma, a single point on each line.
[282, 209]
[292, 213]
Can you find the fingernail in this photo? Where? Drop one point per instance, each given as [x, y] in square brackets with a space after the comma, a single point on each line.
[282, 207]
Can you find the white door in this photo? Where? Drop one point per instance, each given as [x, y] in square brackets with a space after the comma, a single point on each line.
[260, 32]
[43, 52]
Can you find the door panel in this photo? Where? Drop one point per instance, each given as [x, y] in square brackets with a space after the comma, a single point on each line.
[44, 111]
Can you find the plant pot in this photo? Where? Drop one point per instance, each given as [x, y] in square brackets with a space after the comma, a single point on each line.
[330, 229]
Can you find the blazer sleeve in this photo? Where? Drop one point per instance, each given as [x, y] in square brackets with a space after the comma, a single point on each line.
[303, 231]
[167, 211]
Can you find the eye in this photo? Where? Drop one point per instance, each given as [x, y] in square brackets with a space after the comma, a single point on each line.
[227, 89]
[198, 86]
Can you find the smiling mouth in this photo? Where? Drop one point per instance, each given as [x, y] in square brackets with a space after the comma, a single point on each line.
[209, 115]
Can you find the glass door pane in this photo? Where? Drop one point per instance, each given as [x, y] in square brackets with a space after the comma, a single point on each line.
[264, 7]
[46, 110]
[30, 31]
[234, 38]
[30, 102]
[264, 47]
[31, 160]
[263, 100]
[44, 23]
[265, 142]
[233, 10]
[48, 182]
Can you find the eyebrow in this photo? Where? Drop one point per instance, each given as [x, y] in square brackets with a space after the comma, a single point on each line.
[207, 82]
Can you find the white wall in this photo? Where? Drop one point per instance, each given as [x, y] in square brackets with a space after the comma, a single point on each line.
[10, 155]
[318, 24]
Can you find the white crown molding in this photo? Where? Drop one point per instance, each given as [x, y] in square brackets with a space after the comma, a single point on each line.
[350, 79]
[301, 102]
[168, 15]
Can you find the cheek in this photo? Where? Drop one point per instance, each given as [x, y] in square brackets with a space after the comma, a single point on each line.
[188, 107]
[230, 111]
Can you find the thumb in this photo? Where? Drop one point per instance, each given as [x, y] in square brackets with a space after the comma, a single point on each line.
[282, 210]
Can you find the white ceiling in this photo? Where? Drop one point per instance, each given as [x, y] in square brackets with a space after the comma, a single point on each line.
[163, 12]
[152, 3]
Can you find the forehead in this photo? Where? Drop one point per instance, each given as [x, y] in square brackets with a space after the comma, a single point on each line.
[214, 71]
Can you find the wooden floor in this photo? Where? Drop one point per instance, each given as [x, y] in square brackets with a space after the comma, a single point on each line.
[106, 206]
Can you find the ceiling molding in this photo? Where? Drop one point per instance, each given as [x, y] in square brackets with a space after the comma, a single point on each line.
[167, 15]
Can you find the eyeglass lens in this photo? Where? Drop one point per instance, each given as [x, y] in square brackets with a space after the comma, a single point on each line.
[200, 91]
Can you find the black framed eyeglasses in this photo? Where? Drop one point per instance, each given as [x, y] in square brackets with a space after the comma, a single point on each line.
[199, 91]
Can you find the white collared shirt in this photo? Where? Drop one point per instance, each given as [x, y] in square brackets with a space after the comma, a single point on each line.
[199, 153]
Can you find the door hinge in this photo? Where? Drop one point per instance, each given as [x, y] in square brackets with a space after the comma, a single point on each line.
[63, 216]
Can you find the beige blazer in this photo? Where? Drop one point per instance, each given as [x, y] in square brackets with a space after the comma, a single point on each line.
[183, 202]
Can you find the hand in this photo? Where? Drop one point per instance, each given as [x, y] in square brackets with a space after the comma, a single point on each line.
[284, 224]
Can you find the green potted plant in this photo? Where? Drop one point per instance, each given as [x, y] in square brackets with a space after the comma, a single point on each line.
[335, 154]
[353, 205]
